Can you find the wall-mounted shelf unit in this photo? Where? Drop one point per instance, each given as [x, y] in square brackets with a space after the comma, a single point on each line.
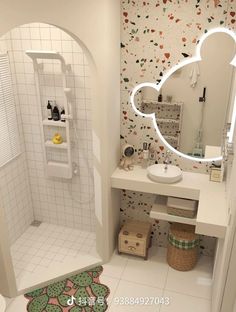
[53, 123]
[168, 118]
[54, 168]
[50, 144]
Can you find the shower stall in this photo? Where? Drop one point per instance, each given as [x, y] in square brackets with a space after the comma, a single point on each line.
[47, 189]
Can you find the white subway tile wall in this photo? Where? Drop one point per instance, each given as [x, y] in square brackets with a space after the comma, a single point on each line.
[15, 197]
[15, 194]
[57, 201]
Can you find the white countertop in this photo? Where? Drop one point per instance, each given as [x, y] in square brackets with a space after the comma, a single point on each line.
[212, 216]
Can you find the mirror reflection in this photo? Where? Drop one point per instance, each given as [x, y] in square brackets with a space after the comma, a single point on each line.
[196, 102]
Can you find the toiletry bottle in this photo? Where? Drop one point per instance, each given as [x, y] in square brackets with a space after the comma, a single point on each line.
[49, 110]
[63, 115]
[216, 172]
[145, 155]
[55, 113]
[152, 155]
[159, 97]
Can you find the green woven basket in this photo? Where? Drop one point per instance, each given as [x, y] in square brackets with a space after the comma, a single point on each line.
[182, 244]
[182, 251]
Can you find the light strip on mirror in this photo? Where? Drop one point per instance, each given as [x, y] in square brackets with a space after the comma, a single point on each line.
[196, 58]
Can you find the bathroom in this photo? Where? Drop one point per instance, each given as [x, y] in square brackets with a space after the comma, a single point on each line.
[132, 43]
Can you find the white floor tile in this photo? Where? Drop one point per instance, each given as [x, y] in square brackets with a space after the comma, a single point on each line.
[115, 266]
[196, 282]
[188, 291]
[110, 282]
[138, 292]
[152, 272]
[184, 303]
[18, 304]
[39, 247]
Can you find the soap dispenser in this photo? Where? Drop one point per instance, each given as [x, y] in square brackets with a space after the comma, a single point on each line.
[145, 155]
[55, 113]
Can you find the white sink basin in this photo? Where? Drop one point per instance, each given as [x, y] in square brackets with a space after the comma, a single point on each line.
[158, 173]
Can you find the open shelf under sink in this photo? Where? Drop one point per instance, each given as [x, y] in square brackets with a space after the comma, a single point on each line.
[159, 212]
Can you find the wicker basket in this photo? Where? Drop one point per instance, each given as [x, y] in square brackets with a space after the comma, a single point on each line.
[182, 251]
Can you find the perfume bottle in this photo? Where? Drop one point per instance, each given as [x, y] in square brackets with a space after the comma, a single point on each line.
[159, 97]
[145, 155]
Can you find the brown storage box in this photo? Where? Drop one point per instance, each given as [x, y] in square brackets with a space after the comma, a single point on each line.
[181, 207]
[181, 212]
[134, 238]
[182, 251]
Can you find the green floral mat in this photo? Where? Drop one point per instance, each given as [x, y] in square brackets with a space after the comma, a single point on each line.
[82, 292]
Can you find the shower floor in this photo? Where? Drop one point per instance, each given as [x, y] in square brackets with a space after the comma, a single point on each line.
[48, 251]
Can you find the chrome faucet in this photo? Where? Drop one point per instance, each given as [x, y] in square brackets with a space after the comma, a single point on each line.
[167, 159]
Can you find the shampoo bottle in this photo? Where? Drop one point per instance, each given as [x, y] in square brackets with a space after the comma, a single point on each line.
[49, 110]
[55, 113]
[62, 115]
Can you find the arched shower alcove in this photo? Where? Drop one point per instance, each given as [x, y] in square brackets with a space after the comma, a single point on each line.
[52, 222]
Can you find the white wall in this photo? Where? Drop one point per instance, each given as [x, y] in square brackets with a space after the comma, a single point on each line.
[230, 287]
[224, 247]
[7, 277]
[229, 291]
[96, 24]
[15, 195]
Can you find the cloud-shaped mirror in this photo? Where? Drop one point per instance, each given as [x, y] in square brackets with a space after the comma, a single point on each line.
[195, 100]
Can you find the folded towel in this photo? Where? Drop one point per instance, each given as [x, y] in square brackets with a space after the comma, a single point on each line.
[195, 72]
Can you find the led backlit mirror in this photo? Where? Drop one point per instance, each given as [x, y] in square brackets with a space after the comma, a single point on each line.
[195, 100]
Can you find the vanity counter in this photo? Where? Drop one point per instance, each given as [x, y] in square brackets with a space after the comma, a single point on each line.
[212, 216]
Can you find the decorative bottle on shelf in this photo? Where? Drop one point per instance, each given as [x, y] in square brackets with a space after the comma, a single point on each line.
[62, 115]
[55, 113]
[145, 160]
[49, 110]
[159, 97]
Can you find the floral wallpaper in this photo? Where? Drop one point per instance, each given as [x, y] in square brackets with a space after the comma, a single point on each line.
[156, 35]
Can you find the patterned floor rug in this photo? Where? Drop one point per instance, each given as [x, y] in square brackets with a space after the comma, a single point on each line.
[82, 292]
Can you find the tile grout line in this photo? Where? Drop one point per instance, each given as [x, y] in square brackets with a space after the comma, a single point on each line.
[119, 280]
[38, 264]
[142, 284]
[181, 293]
[164, 288]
